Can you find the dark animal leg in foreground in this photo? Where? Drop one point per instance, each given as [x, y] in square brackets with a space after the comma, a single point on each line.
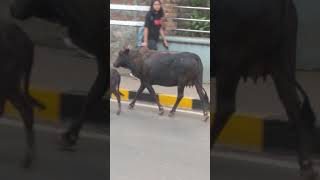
[117, 94]
[95, 95]
[2, 104]
[226, 94]
[26, 82]
[180, 96]
[141, 88]
[289, 98]
[153, 94]
[203, 101]
[26, 112]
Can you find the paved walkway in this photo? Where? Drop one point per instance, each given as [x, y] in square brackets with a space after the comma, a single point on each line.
[67, 71]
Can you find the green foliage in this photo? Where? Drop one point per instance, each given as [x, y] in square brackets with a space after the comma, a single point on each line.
[199, 25]
[199, 2]
[195, 14]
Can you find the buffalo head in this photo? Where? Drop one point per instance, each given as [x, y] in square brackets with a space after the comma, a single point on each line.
[123, 59]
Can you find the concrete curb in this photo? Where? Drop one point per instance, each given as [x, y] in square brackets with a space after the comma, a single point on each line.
[62, 106]
[165, 99]
[253, 133]
[244, 131]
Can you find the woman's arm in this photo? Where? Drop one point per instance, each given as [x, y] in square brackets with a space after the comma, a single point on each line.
[162, 34]
[145, 35]
[165, 43]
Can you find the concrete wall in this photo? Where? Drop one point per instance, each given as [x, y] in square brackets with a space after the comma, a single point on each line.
[120, 36]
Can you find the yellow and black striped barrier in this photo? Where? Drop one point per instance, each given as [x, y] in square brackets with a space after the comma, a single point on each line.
[243, 130]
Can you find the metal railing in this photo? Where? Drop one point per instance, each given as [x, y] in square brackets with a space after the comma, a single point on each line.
[146, 8]
[189, 19]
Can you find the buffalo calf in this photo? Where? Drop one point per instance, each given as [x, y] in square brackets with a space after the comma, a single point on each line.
[115, 79]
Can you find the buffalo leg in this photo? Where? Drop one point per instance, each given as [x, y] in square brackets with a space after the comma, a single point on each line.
[141, 88]
[2, 104]
[117, 94]
[26, 112]
[95, 95]
[180, 96]
[201, 95]
[226, 95]
[154, 95]
[289, 98]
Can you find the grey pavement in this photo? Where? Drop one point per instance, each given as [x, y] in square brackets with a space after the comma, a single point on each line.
[89, 161]
[240, 169]
[145, 146]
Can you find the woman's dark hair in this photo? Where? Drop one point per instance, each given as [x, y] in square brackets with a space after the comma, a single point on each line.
[161, 13]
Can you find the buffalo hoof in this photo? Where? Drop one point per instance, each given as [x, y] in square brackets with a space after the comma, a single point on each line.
[171, 114]
[206, 117]
[309, 174]
[161, 112]
[27, 161]
[67, 142]
[131, 106]
[118, 112]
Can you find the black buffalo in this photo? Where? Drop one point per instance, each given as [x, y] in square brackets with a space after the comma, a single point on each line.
[256, 38]
[165, 69]
[115, 80]
[86, 23]
[17, 53]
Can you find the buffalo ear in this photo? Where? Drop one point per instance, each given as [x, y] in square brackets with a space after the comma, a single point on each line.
[126, 51]
[126, 48]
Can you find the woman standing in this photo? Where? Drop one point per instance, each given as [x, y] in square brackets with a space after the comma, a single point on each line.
[152, 26]
[152, 29]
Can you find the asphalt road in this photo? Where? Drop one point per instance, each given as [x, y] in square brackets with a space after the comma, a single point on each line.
[146, 146]
[89, 161]
[247, 166]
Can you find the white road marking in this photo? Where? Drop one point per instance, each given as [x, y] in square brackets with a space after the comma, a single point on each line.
[156, 107]
[259, 160]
